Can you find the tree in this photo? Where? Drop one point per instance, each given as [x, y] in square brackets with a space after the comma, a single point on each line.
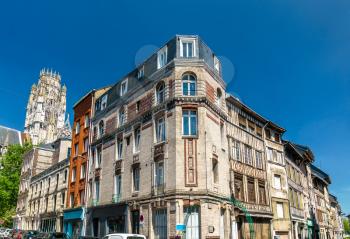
[10, 172]
[346, 226]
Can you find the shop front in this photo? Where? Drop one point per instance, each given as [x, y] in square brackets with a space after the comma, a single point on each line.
[73, 222]
[102, 220]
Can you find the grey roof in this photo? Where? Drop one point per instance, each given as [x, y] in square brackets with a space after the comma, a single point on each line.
[301, 150]
[320, 174]
[9, 136]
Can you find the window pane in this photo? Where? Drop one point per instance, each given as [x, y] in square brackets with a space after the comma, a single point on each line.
[184, 88]
[185, 125]
[193, 125]
[189, 45]
[192, 88]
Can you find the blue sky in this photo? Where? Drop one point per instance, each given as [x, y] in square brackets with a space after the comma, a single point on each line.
[288, 60]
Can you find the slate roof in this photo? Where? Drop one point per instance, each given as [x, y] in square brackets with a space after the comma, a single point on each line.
[9, 136]
[320, 174]
[301, 150]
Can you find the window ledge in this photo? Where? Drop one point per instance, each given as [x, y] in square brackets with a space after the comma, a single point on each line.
[190, 136]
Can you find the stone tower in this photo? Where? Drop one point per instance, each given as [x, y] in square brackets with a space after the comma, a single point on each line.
[46, 108]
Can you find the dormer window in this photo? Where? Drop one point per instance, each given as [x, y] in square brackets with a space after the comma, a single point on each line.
[104, 102]
[187, 47]
[141, 72]
[216, 63]
[123, 87]
[162, 57]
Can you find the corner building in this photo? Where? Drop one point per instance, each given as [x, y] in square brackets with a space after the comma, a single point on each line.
[159, 153]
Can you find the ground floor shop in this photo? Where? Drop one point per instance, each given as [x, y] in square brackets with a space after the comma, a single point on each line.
[248, 226]
[299, 229]
[74, 222]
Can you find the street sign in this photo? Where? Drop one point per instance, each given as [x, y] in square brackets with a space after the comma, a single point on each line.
[180, 227]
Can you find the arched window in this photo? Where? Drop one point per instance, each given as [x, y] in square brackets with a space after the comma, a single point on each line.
[101, 128]
[121, 116]
[218, 97]
[160, 92]
[189, 85]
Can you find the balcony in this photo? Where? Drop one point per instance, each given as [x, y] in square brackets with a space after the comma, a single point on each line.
[159, 150]
[116, 198]
[118, 165]
[158, 190]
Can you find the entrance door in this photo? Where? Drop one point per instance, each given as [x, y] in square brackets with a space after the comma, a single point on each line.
[135, 221]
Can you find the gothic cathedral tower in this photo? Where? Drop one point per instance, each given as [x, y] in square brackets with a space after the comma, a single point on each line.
[46, 108]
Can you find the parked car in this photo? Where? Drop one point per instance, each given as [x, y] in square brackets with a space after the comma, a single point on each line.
[53, 235]
[124, 236]
[30, 234]
[6, 233]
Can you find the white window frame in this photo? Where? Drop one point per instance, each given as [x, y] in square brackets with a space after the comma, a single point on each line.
[194, 49]
[189, 123]
[136, 187]
[157, 181]
[121, 120]
[277, 181]
[118, 184]
[141, 72]
[279, 210]
[137, 146]
[164, 52]
[160, 128]
[82, 172]
[74, 174]
[77, 127]
[97, 194]
[119, 149]
[216, 64]
[104, 102]
[124, 83]
[86, 121]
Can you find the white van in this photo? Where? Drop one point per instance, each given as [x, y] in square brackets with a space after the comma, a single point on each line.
[124, 236]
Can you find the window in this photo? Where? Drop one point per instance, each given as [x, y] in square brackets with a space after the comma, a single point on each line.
[159, 174]
[215, 169]
[57, 179]
[65, 176]
[251, 127]
[187, 48]
[141, 72]
[76, 149]
[63, 195]
[137, 139]
[82, 197]
[279, 209]
[222, 224]
[277, 137]
[82, 171]
[268, 133]
[136, 178]
[242, 121]
[236, 150]
[117, 187]
[77, 128]
[160, 92]
[251, 190]
[189, 122]
[54, 202]
[86, 121]
[278, 157]
[160, 223]
[191, 215]
[101, 128]
[258, 131]
[248, 159]
[189, 85]
[119, 149]
[160, 130]
[74, 172]
[162, 57]
[121, 116]
[99, 157]
[97, 191]
[216, 64]
[277, 181]
[218, 97]
[262, 193]
[86, 144]
[71, 200]
[269, 154]
[104, 102]
[258, 157]
[123, 87]
[239, 190]
[138, 103]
